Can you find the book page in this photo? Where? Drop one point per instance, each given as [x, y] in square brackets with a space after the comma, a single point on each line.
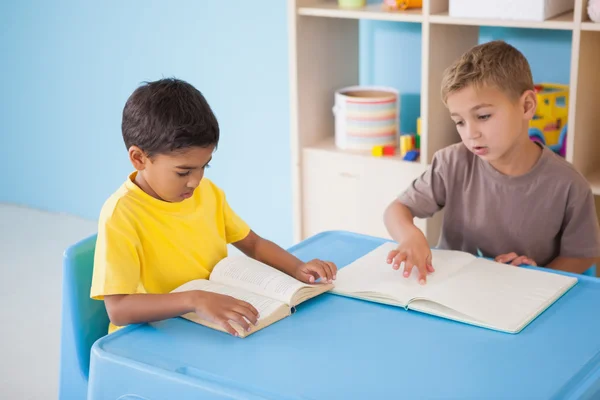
[502, 296]
[264, 305]
[371, 275]
[254, 276]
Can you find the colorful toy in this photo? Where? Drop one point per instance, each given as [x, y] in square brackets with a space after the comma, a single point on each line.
[549, 124]
[410, 144]
[411, 155]
[406, 144]
[402, 4]
[379, 151]
[418, 135]
[389, 150]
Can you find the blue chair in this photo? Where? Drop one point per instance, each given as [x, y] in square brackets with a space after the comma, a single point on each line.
[83, 320]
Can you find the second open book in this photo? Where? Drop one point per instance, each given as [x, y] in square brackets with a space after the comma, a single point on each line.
[464, 288]
[273, 293]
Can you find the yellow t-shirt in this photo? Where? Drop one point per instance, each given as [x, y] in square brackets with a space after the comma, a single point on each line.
[146, 245]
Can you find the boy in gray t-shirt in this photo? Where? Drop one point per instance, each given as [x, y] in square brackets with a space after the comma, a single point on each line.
[504, 196]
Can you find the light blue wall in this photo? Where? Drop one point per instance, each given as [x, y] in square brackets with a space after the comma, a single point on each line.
[67, 68]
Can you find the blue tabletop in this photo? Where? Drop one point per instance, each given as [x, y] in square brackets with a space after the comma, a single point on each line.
[340, 348]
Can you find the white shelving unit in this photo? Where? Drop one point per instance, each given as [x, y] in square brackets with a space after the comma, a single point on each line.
[335, 189]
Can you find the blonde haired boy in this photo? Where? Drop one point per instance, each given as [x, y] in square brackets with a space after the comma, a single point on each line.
[504, 196]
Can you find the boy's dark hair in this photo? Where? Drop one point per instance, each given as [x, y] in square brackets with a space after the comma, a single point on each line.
[168, 115]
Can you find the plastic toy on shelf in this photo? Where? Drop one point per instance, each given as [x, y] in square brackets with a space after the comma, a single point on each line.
[379, 151]
[393, 5]
[549, 124]
[410, 144]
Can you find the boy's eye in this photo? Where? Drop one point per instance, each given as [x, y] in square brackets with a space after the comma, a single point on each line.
[459, 123]
[182, 174]
[484, 117]
[207, 166]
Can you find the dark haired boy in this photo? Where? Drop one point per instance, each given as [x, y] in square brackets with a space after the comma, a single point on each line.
[168, 224]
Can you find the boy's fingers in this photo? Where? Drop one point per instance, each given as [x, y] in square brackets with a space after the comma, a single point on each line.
[239, 318]
[429, 265]
[332, 269]
[504, 258]
[318, 269]
[422, 273]
[399, 259]
[328, 277]
[391, 256]
[517, 261]
[249, 306]
[408, 266]
[523, 260]
[227, 326]
[251, 315]
[309, 276]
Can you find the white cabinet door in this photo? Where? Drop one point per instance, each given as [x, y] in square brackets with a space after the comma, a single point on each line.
[383, 181]
[330, 192]
[350, 192]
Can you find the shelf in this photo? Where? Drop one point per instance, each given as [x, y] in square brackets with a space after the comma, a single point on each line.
[328, 145]
[594, 181]
[372, 12]
[562, 21]
[590, 26]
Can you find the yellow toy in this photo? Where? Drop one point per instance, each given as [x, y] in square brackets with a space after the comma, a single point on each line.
[549, 124]
[402, 4]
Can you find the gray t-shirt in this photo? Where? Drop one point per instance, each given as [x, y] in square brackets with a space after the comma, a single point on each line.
[545, 213]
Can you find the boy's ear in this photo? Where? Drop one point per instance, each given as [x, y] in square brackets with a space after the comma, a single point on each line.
[138, 158]
[529, 103]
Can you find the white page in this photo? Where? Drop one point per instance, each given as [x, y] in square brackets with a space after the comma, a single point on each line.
[254, 276]
[372, 274]
[263, 305]
[501, 296]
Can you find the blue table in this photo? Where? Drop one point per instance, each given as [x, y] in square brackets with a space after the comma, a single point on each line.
[341, 348]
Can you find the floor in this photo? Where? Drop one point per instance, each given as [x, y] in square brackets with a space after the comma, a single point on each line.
[31, 247]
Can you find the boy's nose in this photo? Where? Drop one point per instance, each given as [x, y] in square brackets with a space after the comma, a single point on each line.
[473, 132]
[193, 184]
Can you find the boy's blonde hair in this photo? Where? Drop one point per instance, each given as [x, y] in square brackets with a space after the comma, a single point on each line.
[490, 64]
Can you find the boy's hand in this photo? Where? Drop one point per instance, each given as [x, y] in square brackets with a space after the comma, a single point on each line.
[414, 252]
[514, 259]
[315, 269]
[221, 309]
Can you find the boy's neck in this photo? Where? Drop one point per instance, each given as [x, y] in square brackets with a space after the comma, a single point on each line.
[520, 159]
[140, 181]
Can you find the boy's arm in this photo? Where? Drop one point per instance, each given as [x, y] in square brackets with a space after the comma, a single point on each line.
[271, 254]
[399, 221]
[580, 233]
[425, 196]
[575, 265]
[125, 309]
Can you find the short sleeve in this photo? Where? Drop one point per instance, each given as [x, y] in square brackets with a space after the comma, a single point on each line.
[427, 194]
[235, 228]
[580, 236]
[116, 259]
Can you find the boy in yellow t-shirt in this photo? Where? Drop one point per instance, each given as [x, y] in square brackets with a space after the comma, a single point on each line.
[167, 224]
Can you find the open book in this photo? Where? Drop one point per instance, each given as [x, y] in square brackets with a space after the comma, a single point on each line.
[273, 293]
[463, 288]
